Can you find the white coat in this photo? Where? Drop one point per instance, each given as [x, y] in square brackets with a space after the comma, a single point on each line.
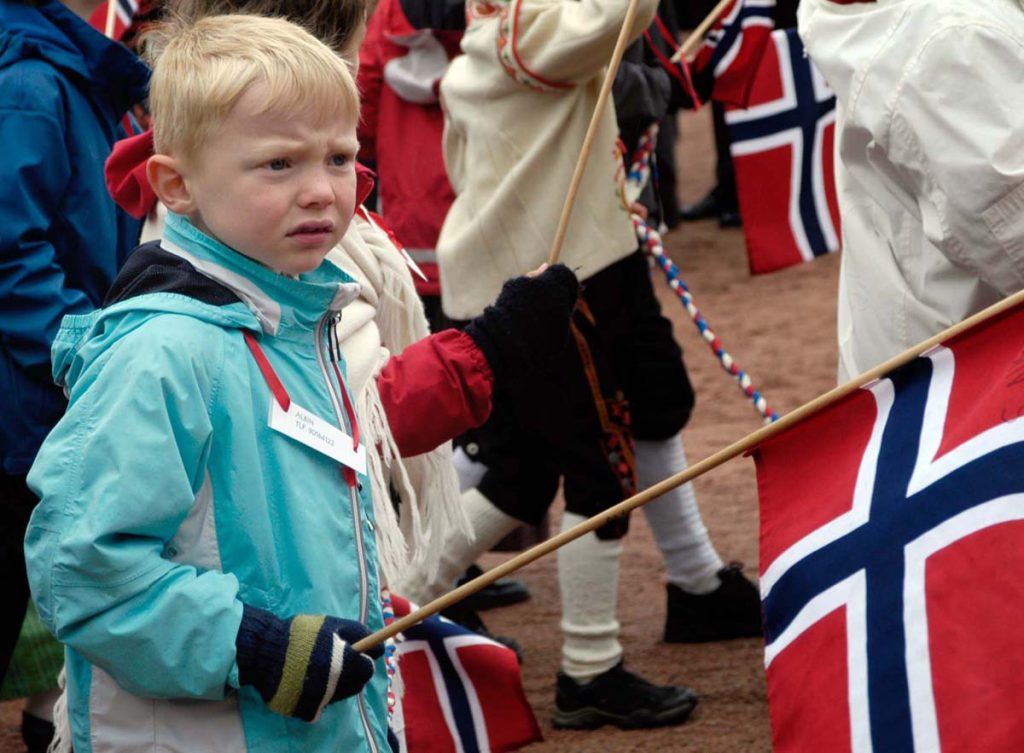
[930, 163]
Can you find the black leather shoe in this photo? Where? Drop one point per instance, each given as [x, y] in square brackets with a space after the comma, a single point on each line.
[502, 593]
[733, 610]
[36, 733]
[730, 218]
[704, 209]
[621, 698]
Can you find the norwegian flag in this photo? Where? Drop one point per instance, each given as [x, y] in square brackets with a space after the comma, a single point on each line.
[123, 15]
[892, 526]
[462, 693]
[782, 147]
[724, 66]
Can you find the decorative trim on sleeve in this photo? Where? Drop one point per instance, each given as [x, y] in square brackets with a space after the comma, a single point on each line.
[508, 43]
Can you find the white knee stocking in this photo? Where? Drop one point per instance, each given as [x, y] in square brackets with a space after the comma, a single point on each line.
[588, 574]
[691, 561]
[489, 525]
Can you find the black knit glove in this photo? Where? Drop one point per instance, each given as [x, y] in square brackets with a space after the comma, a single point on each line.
[529, 323]
[302, 664]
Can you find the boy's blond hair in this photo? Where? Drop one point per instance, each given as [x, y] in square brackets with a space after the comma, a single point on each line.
[200, 70]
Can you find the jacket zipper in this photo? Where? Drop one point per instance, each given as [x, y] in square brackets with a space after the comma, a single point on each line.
[326, 321]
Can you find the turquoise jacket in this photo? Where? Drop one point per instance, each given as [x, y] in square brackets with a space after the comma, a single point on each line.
[168, 501]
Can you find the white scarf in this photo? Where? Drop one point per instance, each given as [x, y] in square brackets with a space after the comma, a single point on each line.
[388, 317]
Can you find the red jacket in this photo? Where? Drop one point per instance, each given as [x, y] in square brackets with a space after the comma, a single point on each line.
[435, 390]
[401, 63]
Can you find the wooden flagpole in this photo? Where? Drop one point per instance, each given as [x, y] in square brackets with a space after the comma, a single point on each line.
[749, 442]
[693, 41]
[595, 121]
[108, 28]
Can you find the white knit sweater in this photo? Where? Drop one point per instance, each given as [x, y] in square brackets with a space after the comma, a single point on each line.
[517, 106]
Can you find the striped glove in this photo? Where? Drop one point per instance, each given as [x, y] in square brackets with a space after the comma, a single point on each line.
[302, 664]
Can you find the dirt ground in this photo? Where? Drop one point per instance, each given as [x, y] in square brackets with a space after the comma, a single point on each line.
[780, 328]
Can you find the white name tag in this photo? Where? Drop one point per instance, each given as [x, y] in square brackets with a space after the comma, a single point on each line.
[306, 427]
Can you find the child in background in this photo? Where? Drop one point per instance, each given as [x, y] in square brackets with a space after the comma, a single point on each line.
[406, 51]
[204, 544]
[518, 104]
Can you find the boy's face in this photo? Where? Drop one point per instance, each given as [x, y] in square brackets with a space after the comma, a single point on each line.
[279, 189]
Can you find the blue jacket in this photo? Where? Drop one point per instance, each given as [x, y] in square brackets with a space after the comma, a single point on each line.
[167, 502]
[64, 88]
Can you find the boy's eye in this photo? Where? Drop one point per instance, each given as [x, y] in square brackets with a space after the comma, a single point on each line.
[277, 164]
[339, 160]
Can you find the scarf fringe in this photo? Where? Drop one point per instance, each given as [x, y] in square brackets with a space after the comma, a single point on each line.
[61, 742]
[411, 537]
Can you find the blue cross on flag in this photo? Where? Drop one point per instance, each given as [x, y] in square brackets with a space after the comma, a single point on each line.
[724, 65]
[892, 555]
[461, 692]
[782, 148]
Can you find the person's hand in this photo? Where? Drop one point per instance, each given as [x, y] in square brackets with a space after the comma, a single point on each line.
[529, 322]
[322, 666]
[639, 210]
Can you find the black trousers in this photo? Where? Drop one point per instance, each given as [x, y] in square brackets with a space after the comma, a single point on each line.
[725, 173]
[622, 375]
[16, 504]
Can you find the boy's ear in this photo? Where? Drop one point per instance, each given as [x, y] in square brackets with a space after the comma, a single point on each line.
[169, 184]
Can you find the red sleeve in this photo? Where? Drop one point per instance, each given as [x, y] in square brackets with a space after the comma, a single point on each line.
[368, 80]
[435, 390]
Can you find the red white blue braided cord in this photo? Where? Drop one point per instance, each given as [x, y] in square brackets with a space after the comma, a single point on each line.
[640, 169]
[390, 647]
[652, 244]
[650, 240]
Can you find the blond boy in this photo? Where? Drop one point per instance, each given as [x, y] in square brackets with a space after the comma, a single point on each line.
[207, 570]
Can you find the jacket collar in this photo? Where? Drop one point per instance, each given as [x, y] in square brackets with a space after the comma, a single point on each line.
[53, 33]
[276, 300]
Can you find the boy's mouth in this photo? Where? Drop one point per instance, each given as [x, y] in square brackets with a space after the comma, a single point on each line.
[312, 229]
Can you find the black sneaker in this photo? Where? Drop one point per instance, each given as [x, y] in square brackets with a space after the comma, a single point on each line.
[702, 209]
[733, 610]
[36, 733]
[502, 593]
[730, 218]
[621, 698]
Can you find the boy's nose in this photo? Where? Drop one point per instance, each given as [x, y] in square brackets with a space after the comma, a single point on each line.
[318, 190]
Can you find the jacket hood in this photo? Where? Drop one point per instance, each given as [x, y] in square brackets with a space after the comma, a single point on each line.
[52, 33]
[191, 274]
